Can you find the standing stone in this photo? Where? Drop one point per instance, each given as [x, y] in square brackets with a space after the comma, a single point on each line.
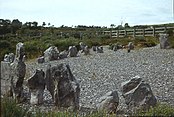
[36, 85]
[20, 51]
[63, 87]
[94, 48]
[82, 46]
[86, 50]
[99, 49]
[51, 54]
[5, 78]
[17, 74]
[164, 43]
[109, 102]
[130, 47]
[9, 57]
[63, 54]
[138, 94]
[72, 51]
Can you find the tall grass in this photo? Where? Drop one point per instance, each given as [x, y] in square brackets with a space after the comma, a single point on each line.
[9, 108]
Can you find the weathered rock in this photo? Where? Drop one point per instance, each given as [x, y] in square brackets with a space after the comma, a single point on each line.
[72, 51]
[63, 87]
[138, 94]
[94, 48]
[109, 102]
[130, 46]
[51, 54]
[5, 77]
[86, 50]
[82, 46]
[9, 57]
[99, 49]
[63, 54]
[164, 43]
[36, 85]
[17, 74]
[20, 51]
[41, 59]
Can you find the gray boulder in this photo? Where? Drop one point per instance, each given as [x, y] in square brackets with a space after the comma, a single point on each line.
[109, 102]
[164, 43]
[18, 70]
[72, 51]
[82, 46]
[36, 85]
[20, 51]
[9, 57]
[138, 94]
[99, 49]
[130, 46]
[63, 54]
[51, 54]
[86, 50]
[63, 87]
[94, 48]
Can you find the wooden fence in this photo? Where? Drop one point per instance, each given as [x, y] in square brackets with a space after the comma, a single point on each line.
[153, 31]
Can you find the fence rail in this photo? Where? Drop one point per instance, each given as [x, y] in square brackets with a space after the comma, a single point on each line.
[153, 31]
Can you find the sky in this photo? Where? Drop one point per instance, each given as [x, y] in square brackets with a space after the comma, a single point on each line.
[88, 12]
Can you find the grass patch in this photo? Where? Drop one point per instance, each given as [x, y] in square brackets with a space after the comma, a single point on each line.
[9, 108]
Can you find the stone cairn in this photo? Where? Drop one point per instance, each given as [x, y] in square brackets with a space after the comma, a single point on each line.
[63, 87]
[164, 43]
[138, 94]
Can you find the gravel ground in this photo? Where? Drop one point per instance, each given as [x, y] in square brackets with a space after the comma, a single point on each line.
[99, 73]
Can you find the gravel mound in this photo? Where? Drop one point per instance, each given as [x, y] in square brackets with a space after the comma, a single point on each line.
[100, 73]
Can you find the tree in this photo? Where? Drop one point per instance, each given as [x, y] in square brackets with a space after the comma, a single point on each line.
[43, 24]
[34, 24]
[126, 25]
[15, 25]
[112, 25]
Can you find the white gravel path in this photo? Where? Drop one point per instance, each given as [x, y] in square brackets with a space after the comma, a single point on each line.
[99, 73]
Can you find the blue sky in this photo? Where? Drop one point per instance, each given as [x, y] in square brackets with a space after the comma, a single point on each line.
[88, 12]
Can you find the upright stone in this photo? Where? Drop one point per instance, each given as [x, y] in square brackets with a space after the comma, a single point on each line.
[99, 49]
[164, 43]
[72, 51]
[51, 54]
[138, 94]
[18, 70]
[36, 85]
[63, 87]
[109, 102]
[130, 47]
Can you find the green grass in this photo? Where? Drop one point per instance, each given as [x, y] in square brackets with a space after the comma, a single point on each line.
[9, 108]
[35, 46]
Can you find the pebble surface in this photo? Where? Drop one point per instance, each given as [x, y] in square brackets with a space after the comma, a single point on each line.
[99, 73]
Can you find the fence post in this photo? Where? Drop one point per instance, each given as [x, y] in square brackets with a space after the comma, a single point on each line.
[134, 32]
[118, 33]
[143, 32]
[125, 32]
[153, 31]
